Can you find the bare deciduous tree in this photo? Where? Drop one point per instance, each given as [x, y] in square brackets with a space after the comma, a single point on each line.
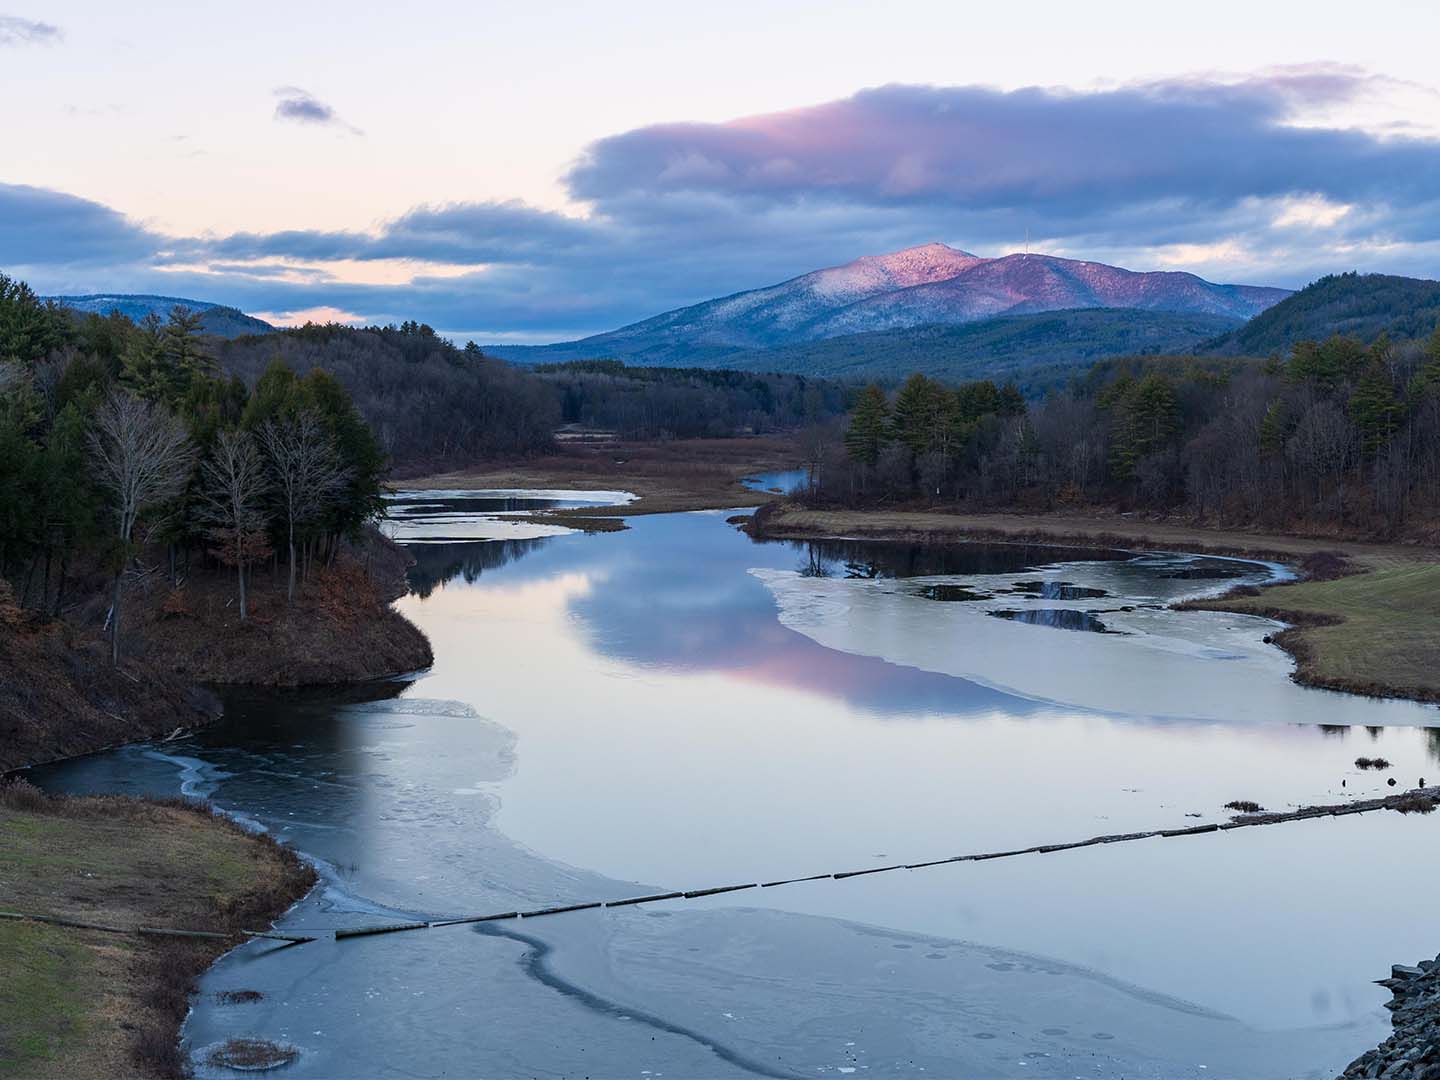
[307, 475]
[143, 456]
[234, 485]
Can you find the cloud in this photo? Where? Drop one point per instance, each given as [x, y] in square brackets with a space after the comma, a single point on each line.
[1260, 178]
[17, 31]
[301, 107]
[1060, 156]
[40, 227]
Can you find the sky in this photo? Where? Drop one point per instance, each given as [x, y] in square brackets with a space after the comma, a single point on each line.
[539, 171]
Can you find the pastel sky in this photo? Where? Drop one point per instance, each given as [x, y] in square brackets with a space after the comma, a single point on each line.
[536, 171]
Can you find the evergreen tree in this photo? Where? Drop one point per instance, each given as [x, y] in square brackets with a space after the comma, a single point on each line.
[356, 446]
[29, 329]
[1147, 420]
[869, 429]
[276, 396]
[1373, 406]
[182, 347]
[1431, 370]
[918, 407]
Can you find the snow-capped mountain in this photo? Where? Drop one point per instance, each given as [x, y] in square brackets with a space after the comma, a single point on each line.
[927, 285]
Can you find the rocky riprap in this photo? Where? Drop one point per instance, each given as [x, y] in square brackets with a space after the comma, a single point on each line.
[1413, 1052]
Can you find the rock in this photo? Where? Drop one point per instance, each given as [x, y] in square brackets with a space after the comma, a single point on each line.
[1413, 1051]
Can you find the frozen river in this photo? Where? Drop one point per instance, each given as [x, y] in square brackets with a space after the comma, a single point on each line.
[676, 706]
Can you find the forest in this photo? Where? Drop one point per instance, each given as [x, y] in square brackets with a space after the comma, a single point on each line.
[683, 403]
[120, 438]
[120, 441]
[1337, 436]
[435, 406]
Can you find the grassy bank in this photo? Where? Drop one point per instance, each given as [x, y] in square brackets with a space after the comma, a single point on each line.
[84, 1003]
[1375, 631]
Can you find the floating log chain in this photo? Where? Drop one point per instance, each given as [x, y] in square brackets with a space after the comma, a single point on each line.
[1422, 800]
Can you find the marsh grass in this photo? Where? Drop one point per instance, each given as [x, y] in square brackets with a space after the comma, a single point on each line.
[86, 1003]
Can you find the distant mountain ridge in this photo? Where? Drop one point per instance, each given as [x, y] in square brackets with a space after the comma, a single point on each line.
[217, 319]
[932, 284]
[1036, 352]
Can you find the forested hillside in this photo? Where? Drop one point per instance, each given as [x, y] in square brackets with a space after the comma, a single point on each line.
[689, 402]
[1336, 437]
[1362, 306]
[119, 441]
[433, 405]
[216, 319]
[427, 401]
[1038, 352]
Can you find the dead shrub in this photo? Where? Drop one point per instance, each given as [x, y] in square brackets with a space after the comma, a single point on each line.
[1371, 763]
[1415, 804]
[157, 1053]
[17, 793]
[1244, 806]
[1325, 566]
[176, 605]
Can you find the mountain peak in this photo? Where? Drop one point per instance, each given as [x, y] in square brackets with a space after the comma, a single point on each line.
[921, 264]
[929, 284]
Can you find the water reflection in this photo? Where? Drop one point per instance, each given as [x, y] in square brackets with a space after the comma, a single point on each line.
[1056, 618]
[439, 563]
[1058, 590]
[878, 559]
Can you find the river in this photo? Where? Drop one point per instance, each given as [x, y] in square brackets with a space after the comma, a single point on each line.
[676, 706]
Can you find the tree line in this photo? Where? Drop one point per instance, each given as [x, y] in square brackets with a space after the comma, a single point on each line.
[1336, 435]
[119, 439]
[684, 403]
[435, 406]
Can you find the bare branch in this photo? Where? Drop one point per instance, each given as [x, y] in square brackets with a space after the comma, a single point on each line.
[142, 456]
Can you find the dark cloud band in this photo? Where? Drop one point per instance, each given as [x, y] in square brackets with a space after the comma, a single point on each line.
[681, 212]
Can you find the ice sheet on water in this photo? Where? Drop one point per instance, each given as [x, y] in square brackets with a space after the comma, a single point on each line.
[1209, 666]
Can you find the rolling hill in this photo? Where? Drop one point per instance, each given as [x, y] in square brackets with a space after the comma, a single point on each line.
[922, 286]
[1037, 352]
[1358, 305]
[217, 319]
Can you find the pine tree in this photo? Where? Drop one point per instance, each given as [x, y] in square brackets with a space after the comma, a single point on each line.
[869, 428]
[185, 357]
[29, 329]
[1147, 421]
[917, 407]
[1373, 407]
[1432, 360]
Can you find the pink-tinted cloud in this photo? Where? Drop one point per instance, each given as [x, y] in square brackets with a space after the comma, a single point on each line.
[1064, 155]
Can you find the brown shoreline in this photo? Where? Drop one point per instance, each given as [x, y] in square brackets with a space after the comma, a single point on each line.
[667, 477]
[64, 699]
[87, 1003]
